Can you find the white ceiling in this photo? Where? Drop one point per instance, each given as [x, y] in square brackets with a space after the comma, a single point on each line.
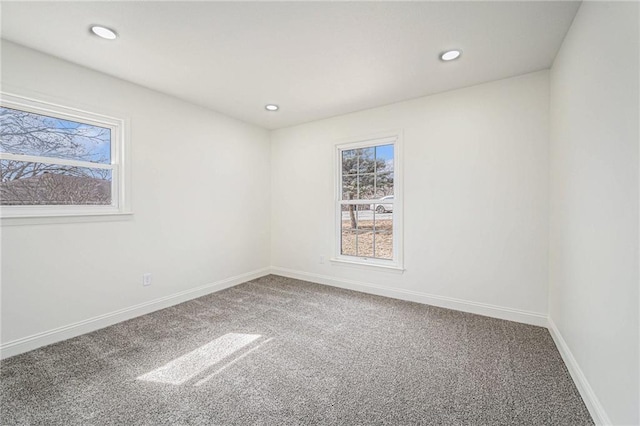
[314, 59]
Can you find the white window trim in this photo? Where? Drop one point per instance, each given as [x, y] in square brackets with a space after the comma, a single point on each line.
[120, 167]
[383, 138]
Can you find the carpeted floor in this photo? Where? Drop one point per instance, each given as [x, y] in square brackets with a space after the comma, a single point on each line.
[277, 351]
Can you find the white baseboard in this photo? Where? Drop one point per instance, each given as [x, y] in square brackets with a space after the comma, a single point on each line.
[588, 395]
[526, 317]
[35, 341]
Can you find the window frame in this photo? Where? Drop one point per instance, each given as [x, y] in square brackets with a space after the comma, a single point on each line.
[120, 199]
[384, 138]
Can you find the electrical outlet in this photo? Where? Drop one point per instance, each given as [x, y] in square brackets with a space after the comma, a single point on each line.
[321, 259]
[146, 279]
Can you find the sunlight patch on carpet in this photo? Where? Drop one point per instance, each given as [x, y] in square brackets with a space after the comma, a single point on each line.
[182, 369]
[209, 377]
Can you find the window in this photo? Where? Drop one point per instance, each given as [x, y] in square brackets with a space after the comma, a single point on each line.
[57, 161]
[368, 208]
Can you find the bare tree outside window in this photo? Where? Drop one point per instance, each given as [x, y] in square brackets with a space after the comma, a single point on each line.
[46, 160]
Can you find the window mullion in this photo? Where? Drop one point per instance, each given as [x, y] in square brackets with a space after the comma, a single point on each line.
[52, 160]
[365, 201]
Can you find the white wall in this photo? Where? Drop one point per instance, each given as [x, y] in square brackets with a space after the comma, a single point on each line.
[476, 197]
[200, 200]
[594, 202]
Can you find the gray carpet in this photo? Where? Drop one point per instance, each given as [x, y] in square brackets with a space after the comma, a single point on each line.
[277, 351]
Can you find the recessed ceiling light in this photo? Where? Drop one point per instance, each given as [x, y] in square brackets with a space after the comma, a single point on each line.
[104, 32]
[271, 107]
[450, 55]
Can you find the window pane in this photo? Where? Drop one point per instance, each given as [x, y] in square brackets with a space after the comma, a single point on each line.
[383, 205]
[349, 187]
[366, 160]
[28, 133]
[348, 243]
[25, 183]
[384, 184]
[366, 189]
[365, 233]
[384, 158]
[349, 162]
[349, 229]
[384, 170]
[383, 236]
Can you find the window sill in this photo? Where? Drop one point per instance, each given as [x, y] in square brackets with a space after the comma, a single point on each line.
[54, 218]
[370, 266]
